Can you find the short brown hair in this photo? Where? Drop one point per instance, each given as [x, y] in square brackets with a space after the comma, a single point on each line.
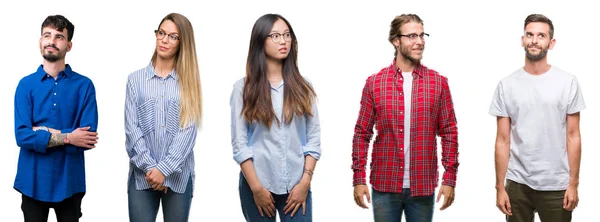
[540, 18]
[398, 22]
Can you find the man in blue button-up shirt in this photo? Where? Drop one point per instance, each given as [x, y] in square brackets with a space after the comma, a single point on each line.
[55, 122]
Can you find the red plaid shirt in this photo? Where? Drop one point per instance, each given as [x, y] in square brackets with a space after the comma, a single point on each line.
[432, 114]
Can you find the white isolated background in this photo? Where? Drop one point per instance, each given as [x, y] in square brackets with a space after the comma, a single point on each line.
[341, 43]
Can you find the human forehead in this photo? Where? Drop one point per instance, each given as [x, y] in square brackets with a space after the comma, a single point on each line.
[169, 27]
[280, 26]
[411, 27]
[537, 28]
[53, 30]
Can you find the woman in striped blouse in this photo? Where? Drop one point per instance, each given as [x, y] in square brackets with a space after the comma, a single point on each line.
[275, 127]
[162, 114]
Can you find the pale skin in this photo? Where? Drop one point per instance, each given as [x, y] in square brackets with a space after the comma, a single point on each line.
[263, 198]
[166, 49]
[537, 35]
[55, 42]
[408, 53]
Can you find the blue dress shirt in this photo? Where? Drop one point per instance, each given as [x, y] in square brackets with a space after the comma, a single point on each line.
[66, 103]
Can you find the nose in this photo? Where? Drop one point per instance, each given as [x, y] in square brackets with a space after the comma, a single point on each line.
[420, 40]
[165, 39]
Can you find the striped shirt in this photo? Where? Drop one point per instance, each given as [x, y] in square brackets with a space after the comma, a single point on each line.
[277, 153]
[431, 114]
[154, 138]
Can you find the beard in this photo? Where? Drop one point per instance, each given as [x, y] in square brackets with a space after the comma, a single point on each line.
[536, 57]
[405, 52]
[53, 57]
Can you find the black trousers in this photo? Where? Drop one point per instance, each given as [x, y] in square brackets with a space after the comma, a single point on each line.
[68, 210]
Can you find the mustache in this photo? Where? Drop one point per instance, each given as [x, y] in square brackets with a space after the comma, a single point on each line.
[534, 45]
[52, 46]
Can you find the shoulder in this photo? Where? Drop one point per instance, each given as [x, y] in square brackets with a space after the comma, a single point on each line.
[432, 73]
[239, 84]
[138, 74]
[562, 73]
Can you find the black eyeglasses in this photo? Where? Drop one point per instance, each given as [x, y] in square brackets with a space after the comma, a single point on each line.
[413, 36]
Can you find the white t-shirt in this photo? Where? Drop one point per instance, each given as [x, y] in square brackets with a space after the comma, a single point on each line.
[407, 88]
[538, 106]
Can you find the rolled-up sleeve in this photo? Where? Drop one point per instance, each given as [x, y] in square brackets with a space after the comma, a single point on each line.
[239, 128]
[313, 133]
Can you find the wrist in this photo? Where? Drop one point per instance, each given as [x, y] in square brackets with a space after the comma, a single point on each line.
[67, 138]
[500, 187]
[256, 187]
[574, 183]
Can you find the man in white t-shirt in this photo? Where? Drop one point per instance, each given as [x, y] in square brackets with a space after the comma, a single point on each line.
[538, 145]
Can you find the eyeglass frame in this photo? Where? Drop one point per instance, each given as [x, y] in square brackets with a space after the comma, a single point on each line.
[171, 40]
[280, 36]
[415, 35]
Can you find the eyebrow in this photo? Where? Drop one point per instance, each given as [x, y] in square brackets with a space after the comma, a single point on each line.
[275, 31]
[49, 33]
[168, 32]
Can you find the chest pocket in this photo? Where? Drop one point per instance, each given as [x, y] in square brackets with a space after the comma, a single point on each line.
[146, 116]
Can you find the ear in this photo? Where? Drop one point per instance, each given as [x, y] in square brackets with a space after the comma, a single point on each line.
[69, 45]
[523, 41]
[552, 42]
[396, 42]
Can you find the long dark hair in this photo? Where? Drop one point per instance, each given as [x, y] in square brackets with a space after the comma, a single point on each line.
[298, 94]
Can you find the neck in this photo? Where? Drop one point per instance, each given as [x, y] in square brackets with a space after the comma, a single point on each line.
[163, 66]
[53, 68]
[406, 65]
[536, 67]
[274, 68]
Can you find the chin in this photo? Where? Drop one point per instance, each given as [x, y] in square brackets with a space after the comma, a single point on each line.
[165, 55]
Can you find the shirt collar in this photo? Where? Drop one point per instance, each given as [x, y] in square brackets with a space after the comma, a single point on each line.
[67, 72]
[417, 71]
[152, 73]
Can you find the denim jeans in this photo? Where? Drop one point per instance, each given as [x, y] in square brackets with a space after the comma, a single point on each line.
[389, 207]
[251, 211]
[143, 204]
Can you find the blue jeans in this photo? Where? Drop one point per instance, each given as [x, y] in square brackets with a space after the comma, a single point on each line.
[389, 207]
[251, 211]
[143, 204]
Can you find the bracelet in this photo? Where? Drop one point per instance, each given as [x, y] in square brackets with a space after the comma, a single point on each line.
[309, 172]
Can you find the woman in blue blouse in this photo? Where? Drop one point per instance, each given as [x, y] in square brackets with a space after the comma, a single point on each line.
[275, 127]
[162, 113]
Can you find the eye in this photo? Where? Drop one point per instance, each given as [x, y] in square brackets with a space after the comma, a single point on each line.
[287, 35]
[174, 37]
[161, 33]
[413, 36]
[275, 35]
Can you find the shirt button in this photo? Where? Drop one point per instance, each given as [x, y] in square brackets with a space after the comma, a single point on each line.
[401, 112]
[400, 93]
[55, 83]
[163, 126]
[401, 79]
[55, 94]
[401, 130]
[54, 104]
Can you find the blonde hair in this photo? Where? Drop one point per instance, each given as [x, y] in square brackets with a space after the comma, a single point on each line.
[186, 67]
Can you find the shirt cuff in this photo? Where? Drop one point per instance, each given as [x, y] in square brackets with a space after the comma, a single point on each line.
[359, 178]
[449, 179]
[314, 154]
[243, 155]
[164, 169]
